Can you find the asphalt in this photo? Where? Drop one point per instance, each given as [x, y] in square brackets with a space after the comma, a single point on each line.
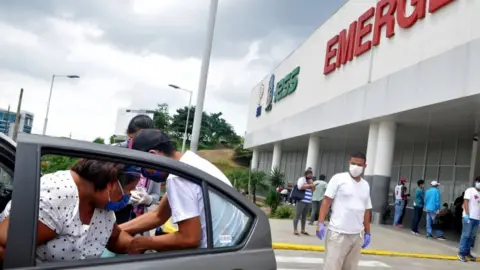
[385, 241]
[303, 260]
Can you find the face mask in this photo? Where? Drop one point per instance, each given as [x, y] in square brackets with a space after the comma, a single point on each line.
[477, 185]
[355, 170]
[117, 206]
[154, 175]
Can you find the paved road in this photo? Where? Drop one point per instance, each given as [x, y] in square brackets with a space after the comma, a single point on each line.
[305, 260]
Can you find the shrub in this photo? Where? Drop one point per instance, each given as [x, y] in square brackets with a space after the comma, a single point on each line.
[272, 200]
[284, 212]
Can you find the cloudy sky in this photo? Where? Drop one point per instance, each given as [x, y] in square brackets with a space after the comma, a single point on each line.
[127, 52]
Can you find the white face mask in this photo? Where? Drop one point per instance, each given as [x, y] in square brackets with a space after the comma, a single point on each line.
[477, 185]
[355, 170]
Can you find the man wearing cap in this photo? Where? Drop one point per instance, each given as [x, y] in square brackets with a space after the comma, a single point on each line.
[432, 206]
[183, 203]
[400, 202]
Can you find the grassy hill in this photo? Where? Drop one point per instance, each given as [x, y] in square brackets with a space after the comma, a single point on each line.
[222, 158]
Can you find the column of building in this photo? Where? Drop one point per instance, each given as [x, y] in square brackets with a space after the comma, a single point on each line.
[312, 154]
[380, 149]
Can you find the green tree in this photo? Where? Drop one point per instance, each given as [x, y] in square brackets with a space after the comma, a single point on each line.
[214, 129]
[162, 118]
[112, 139]
[276, 178]
[238, 178]
[258, 180]
[99, 140]
[241, 155]
[53, 163]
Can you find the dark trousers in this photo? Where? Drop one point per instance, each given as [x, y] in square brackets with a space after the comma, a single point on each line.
[400, 221]
[315, 210]
[417, 216]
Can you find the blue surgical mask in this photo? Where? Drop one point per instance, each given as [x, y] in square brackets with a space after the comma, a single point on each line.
[154, 175]
[117, 206]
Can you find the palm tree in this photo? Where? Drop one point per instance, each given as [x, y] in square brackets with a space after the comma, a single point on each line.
[257, 181]
[276, 178]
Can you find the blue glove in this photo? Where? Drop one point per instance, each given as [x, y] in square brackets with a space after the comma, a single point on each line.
[466, 218]
[320, 230]
[366, 240]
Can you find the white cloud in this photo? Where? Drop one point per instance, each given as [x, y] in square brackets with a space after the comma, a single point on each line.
[111, 78]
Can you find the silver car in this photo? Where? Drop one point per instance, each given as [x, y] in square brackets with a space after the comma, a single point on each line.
[253, 251]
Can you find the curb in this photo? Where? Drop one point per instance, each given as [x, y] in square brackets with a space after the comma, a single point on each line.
[285, 246]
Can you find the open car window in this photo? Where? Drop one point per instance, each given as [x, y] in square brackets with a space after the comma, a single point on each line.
[252, 232]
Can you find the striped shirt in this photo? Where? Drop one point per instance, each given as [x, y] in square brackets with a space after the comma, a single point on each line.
[308, 192]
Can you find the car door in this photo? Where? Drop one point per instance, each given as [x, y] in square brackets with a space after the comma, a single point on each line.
[252, 251]
[7, 163]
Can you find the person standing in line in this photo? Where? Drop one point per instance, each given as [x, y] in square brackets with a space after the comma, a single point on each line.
[320, 188]
[400, 202]
[471, 221]
[349, 228]
[432, 206]
[303, 206]
[418, 206]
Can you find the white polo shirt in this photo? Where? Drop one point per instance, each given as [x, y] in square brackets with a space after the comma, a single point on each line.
[186, 201]
[473, 197]
[350, 200]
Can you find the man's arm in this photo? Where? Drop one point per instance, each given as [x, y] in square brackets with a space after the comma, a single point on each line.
[326, 203]
[119, 240]
[366, 220]
[302, 184]
[465, 206]
[149, 220]
[189, 235]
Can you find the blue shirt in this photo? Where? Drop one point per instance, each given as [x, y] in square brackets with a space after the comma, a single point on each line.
[419, 197]
[432, 199]
[308, 192]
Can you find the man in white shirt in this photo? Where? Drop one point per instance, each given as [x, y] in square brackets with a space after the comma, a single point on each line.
[183, 203]
[349, 228]
[471, 220]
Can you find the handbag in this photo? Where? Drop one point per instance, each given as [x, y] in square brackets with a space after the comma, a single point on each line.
[297, 194]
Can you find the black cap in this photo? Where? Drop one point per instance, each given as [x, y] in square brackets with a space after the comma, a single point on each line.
[148, 139]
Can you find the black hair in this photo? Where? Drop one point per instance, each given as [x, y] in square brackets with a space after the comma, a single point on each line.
[307, 172]
[322, 177]
[477, 179]
[445, 205]
[167, 148]
[139, 122]
[100, 173]
[420, 182]
[359, 155]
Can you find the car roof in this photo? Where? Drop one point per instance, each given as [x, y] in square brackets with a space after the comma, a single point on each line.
[7, 139]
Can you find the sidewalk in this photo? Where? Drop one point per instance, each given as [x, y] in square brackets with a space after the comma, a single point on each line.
[384, 237]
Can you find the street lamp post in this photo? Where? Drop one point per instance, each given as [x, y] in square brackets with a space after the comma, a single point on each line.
[202, 84]
[50, 98]
[188, 114]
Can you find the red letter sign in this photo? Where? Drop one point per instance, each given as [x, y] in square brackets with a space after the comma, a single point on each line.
[438, 4]
[381, 20]
[328, 68]
[363, 30]
[346, 44]
[405, 21]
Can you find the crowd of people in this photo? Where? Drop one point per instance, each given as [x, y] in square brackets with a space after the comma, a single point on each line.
[95, 208]
[439, 217]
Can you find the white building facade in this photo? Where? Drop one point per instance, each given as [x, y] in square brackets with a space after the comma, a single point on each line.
[396, 80]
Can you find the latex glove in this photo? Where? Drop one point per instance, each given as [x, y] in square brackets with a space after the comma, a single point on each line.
[133, 200]
[366, 240]
[142, 197]
[320, 230]
[466, 218]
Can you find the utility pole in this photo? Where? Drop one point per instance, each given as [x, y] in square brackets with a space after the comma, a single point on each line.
[18, 116]
[202, 84]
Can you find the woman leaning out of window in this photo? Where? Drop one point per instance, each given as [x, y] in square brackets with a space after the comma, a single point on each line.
[76, 217]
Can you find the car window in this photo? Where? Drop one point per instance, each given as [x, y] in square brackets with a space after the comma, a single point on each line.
[6, 187]
[228, 230]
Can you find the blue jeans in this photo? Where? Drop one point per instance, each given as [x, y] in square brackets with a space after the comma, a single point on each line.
[469, 231]
[430, 220]
[398, 211]
[417, 216]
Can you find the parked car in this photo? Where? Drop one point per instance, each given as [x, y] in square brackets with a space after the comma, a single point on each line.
[21, 166]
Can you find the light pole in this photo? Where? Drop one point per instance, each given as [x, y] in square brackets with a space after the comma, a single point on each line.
[197, 120]
[50, 98]
[188, 114]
